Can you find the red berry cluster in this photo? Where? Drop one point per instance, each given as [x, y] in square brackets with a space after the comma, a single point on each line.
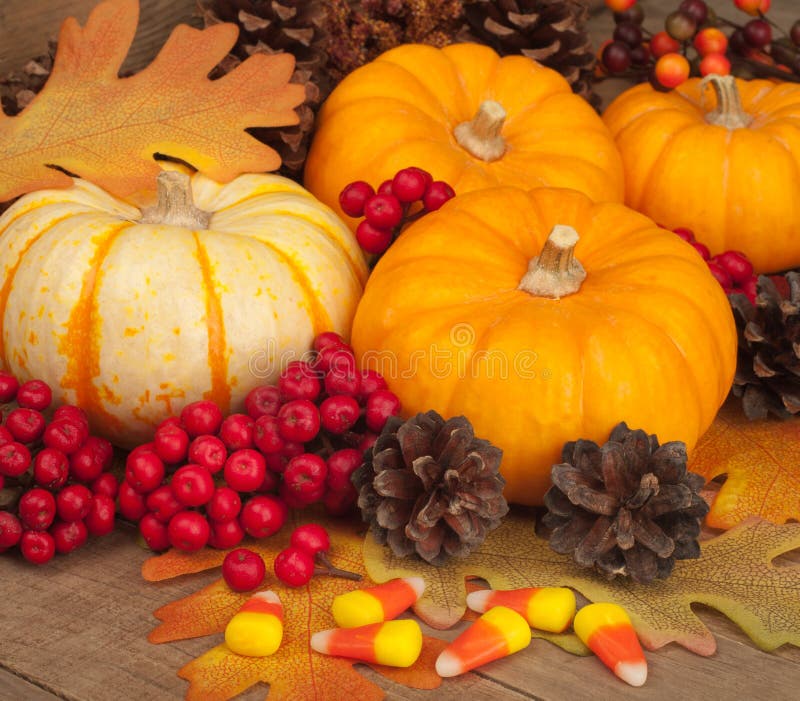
[693, 43]
[732, 269]
[209, 479]
[411, 193]
[54, 477]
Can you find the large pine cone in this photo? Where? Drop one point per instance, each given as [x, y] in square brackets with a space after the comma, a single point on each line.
[429, 487]
[628, 508]
[768, 365]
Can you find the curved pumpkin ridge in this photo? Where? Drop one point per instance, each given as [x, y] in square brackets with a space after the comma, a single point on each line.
[475, 66]
[80, 345]
[220, 392]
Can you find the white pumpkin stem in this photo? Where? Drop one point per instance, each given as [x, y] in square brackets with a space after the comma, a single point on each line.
[729, 112]
[481, 136]
[555, 272]
[175, 206]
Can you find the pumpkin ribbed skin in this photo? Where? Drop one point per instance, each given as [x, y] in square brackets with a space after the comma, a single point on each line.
[132, 321]
[649, 338]
[736, 189]
[402, 109]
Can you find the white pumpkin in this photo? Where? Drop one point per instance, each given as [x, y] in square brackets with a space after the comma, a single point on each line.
[131, 315]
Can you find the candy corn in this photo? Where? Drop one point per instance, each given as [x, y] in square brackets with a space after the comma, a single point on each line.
[257, 628]
[497, 633]
[394, 643]
[546, 608]
[375, 604]
[608, 632]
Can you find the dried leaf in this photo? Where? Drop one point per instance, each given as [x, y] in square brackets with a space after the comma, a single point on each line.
[294, 671]
[734, 575]
[761, 459]
[91, 123]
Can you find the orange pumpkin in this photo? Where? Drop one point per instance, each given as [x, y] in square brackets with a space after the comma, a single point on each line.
[722, 162]
[464, 315]
[466, 115]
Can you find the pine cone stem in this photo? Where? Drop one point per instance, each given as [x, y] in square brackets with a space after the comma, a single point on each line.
[481, 135]
[729, 112]
[555, 272]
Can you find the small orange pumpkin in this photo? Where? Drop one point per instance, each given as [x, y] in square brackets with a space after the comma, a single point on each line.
[472, 312]
[466, 115]
[726, 168]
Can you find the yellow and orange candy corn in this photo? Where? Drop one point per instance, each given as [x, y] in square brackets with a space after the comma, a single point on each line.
[393, 643]
[257, 628]
[375, 604]
[607, 631]
[497, 633]
[545, 608]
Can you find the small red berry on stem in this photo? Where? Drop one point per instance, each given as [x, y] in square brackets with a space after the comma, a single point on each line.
[354, 196]
[373, 239]
[243, 570]
[202, 417]
[188, 531]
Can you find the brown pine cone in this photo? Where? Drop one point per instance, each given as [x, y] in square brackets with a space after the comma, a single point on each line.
[768, 366]
[627, 508]
[429, 487]
[552, 32]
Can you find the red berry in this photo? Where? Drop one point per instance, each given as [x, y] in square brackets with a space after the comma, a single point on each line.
[721, 275]
[8, 387]
[737, 264]
[299, 381]
[5, 436]
[343, 378]
[371, 381]
[37, 547]
[715, 63]
[339, 414]
[225, 534]
[753, 7]
[410, 184]
[305, 474]
[144, 470]
[267, 436]
[154, 532]
[628, 33]
[671, 70]
[237, 431]
[383, 211]
[224, 505]
[192, 485]
[89, 461]
[208, 451]
[262, 401]
[263, 515]
[640, 55]
[171, 443]
[662, 44]
[74, 502]
[619, 5]
[100, 520]
[276, 462]
[106, 484]
[34, 394]
[373, 239]
[131, 504]
[326, 339]
[69, 536]
[37, 509]
[65, 435]
[72, 412]
[51, 468]
[341, 466]
[367, 441]
[750, 288]
[163, 503]
[15, 459]
[616, 57]
[188, 531]
[380, 406]
[353, 197]
[710, 41]
[385, 188]
[10, 530]
[299, 420]
[270, 483]
[26, 425]
[200, 418]
[702, 249]
[243, 569]
[244, 470]
[299, 500]
[685, 234]
[757, 33]
[294, 567]
[310, 537]
[335, 356]
[340, 503]
[437, 194]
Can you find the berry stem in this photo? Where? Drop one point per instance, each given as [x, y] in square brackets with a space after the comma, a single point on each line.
[329, 569]
[729, 112]
[175, 205]
[481, 136]
[555, 272]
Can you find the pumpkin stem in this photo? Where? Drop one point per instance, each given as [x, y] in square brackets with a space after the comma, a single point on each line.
[481, 136]
[175, 205]
[729, 112]
[555, 272]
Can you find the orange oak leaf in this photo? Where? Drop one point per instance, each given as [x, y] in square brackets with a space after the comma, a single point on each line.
[106, 129]
[762, 462]
[294, 671]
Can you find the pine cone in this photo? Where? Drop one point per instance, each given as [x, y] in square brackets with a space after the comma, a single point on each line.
[628, 508]
[429, 486]
[768, 366]
[19, 87]
[275, 26]
[550, 31]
